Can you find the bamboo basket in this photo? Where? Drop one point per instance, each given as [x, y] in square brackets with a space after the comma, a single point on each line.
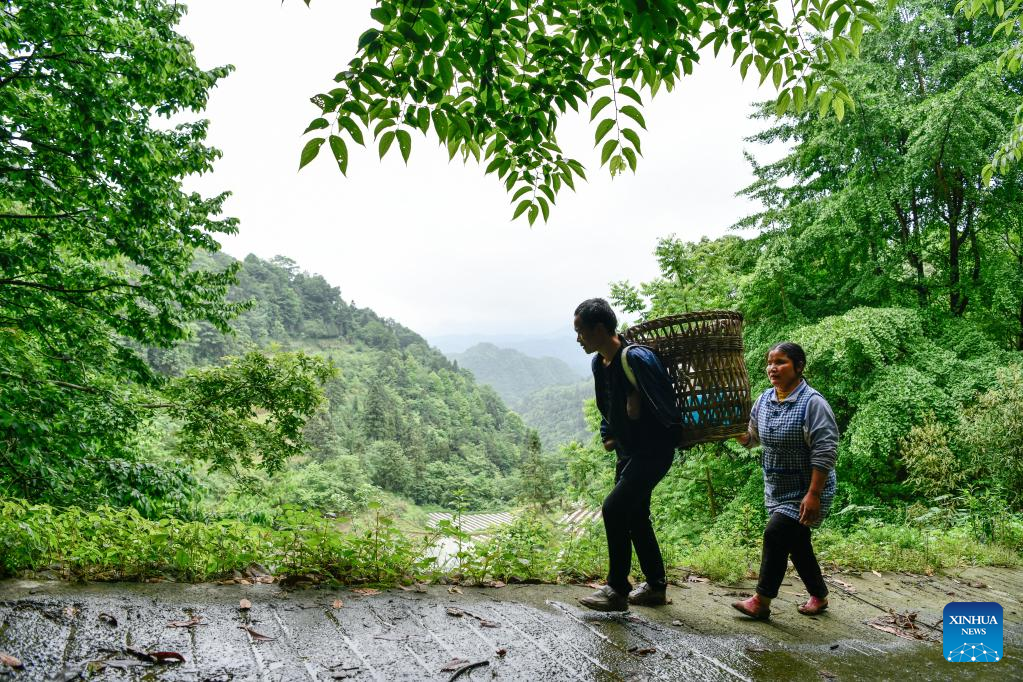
[703, 354]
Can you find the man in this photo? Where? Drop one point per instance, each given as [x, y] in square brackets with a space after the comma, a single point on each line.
[640, 422]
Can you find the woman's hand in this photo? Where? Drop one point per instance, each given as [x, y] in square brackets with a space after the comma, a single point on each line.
[810, 509]
[743, 439]
[610, 444]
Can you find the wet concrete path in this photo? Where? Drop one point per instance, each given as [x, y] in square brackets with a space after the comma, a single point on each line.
[63, 631]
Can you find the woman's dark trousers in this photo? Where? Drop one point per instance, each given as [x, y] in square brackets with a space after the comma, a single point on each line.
[627, 524]
[785, 537]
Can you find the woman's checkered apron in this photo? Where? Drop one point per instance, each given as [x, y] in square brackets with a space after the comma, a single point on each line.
[786, 454]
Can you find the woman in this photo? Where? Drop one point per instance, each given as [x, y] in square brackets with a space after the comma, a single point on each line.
[797, 429]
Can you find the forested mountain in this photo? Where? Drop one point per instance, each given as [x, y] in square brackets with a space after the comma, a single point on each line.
[557, 413]
[514, 375]
[399, 415]
[544, 391]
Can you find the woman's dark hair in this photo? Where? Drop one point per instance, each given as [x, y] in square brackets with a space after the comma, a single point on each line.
[794, 352]
[595, 311]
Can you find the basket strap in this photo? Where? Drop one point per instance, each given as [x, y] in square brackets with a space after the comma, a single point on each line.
[628, 370]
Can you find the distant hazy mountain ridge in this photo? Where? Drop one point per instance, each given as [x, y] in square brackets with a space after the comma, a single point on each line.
[545, 391]
[512, 374]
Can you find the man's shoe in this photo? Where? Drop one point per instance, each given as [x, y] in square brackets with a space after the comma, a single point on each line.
[754, 607]
[606, 599]
[814, 606]
[645, 595]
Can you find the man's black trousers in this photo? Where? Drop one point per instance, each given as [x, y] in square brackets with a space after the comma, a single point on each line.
[626, 513]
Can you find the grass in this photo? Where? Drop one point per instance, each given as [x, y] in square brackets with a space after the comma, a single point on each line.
[119, 544]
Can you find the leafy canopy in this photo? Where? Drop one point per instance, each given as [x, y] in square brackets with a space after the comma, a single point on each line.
[492, 77]
[98, 243]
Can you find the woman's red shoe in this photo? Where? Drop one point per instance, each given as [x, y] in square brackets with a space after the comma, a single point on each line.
[814, 606]
[755, 607]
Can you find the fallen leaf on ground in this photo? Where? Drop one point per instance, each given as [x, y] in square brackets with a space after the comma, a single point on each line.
[501, 652]
[594, 585]
[676, 622]
[365, 591]
[976, 583]
[70, 612]
[417, 587]
[697, 579]
[899, 624]
[844, 585]
[487, 623]
[878, 574]
[141, 655]
[457, 613]
[453, 664]
[166, 656]
[455, 590]
[645, 651]
[11, 661]
[337, 603]
[827, 675]
[108, 619]
[494, 583]
[255, 635]
[190, 623]
[245, 605]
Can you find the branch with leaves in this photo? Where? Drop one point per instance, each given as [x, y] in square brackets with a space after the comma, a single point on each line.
[493, 84]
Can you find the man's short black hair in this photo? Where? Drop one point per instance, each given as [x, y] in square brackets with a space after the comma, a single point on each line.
[595, 311]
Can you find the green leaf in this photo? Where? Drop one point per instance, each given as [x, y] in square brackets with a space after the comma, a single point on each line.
[533, 210]
[598, 105]
[629, 92]
[839, 106]
[525, 189]
[544, 208]
[385, 142]
[744, 65]
[368, 37]
[523, 205]
[608, 149]
[340, 150]
[782, 105]
[777, 74]
[824, 103]
[633, 137]
[633, 113]
[602, 129]
[353, 129]
[316, 124]
[630, 155]
[404, 144]
[309, 152]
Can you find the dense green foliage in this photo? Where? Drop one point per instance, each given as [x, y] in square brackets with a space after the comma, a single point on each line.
[491, 79]
[97, 259]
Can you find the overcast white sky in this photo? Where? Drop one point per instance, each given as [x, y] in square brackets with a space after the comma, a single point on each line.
[432, 244]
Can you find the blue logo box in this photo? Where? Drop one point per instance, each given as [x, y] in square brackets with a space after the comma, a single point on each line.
[972, 632]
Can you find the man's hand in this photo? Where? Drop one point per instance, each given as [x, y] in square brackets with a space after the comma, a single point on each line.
[610, 444]
[810, 509]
